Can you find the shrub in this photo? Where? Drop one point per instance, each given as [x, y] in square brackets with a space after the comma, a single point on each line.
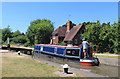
[63, 44]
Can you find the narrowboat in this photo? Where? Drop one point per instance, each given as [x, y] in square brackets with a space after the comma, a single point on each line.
[73, 52]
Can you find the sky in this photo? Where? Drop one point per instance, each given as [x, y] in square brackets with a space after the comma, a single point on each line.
[19, 14]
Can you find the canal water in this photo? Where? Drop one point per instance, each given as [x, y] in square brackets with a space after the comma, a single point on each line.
[105, 70]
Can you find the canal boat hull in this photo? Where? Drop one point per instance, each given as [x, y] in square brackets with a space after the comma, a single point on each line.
[90, 61]
[63, 51]
[73, 52]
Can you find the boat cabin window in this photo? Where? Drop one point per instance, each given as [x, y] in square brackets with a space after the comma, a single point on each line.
[55, 50]
[41, 48]
[72, 52]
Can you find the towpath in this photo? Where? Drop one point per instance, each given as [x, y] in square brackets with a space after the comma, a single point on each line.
[109, 61]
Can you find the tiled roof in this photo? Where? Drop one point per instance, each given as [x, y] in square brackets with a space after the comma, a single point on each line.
[61, 31]
[70, 35]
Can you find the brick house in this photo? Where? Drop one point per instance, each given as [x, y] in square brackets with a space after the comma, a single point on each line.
[70, 34]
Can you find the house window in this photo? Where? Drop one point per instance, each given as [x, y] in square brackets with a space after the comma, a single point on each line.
[53, 37]
[75, 41]
[61, 39]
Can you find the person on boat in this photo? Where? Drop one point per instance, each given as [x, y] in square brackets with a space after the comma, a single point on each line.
[85, 45]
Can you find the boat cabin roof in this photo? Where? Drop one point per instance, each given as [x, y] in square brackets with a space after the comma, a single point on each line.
[48, 45]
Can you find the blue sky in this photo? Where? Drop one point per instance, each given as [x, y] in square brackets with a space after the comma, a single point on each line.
[19, 14]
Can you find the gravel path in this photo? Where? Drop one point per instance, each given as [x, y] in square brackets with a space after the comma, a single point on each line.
[109, 61]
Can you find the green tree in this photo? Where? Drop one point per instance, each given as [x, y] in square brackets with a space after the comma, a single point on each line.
[98, 34]
[92, 32]
[106, 36]
[21, 39]
[39, 31]
[86, 23]
[45, 29]
[116, 37]
[5, 34]
[16, 33]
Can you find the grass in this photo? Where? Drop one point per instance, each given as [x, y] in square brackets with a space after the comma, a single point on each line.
[110, 53]
[20, 66]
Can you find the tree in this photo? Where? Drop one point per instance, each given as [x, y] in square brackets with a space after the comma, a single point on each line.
[16, 33]
[6, 33]
[86, 23]
[39, 31]
[106, 36]
[21, 39]
[116, 37]
[45, 29]
[98, 34]
[16, 37]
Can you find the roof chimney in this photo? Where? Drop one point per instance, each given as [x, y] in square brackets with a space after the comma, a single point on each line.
[69, 26]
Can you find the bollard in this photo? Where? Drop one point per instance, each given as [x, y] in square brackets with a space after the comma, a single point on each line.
[8, 46]
[66, 70]
[18, 52]
[65, 66]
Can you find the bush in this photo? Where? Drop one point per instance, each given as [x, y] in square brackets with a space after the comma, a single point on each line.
[63, 44]
[116, 51]
[32, 46]
[26, 44]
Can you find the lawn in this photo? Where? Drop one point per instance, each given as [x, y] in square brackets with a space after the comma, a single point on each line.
[21, 66]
